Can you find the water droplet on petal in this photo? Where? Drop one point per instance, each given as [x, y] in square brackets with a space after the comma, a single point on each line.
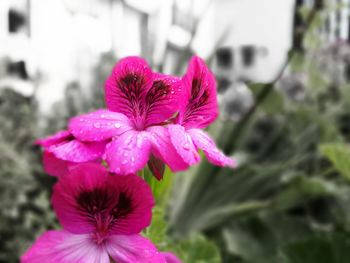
[139, 141]
[117, 125]
[186, 146]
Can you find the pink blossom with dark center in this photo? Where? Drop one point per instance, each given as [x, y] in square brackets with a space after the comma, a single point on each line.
[102, 216]
[198, 109]
[139, 104]
[136, 126]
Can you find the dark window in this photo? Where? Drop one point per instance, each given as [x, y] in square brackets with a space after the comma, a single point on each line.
[17, 69]
[248, 55]
[16, 21]
[224, 57]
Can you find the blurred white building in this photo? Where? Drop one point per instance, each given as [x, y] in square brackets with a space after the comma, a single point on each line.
[58, 42]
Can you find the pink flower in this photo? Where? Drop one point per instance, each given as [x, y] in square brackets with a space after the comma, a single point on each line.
[139, 103]
[198, 110]
[102, 216]
[62, 151]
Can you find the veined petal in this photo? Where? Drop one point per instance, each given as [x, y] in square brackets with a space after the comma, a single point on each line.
[68, 193]
[183, 144]
[163, 98]
[128, 153]
[170, 257]
[89, 200]
[214, 155]
[64, 247]
[127, 86]
[99, 125]
[163, 148]
[77, 151]
[200, 92]
[133, 249]
[133, 211]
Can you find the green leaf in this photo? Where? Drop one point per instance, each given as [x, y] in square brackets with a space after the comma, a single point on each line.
[326, 248]
[198, 249]
[339, 155]
[302, 188]
[160, 189]
[156, 232]
[258, 238]
[273, 104]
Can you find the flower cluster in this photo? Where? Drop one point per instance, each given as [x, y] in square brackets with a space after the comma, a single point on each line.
[149, 116]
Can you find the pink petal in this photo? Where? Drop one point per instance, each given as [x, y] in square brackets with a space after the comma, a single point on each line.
[77, 151]
[64, 247]
[99, 125]
[66, 193]
[89, 200]
[162, 100]
[163, 148]
[183, 144]
[127, 86]
[133, 249]
[170, 257]
[128, 153]
[54, 166]
[141, 200]
[57, 138]
[214, 155]
[200, 93]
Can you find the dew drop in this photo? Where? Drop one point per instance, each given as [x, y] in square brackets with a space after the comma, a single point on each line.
[139, 142]
[117, 125]
[186, 146]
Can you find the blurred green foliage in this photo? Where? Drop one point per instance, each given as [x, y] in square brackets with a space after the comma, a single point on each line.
[289, 199]
[24, 188]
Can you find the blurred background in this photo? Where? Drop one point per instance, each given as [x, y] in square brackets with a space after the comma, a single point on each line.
[283, 71]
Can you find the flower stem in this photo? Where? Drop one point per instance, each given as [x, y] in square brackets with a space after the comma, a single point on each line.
[141, 173]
